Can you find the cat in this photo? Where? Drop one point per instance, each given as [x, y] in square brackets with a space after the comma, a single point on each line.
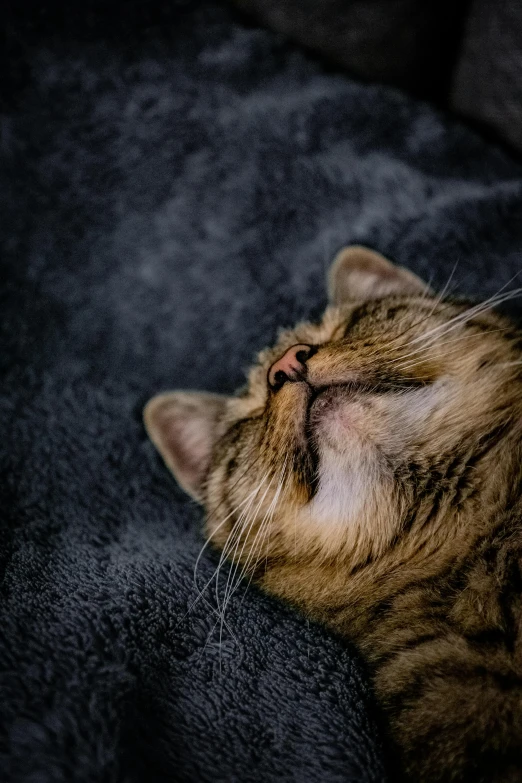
[370, 473]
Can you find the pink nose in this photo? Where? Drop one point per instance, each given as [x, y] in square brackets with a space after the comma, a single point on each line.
[290, 367]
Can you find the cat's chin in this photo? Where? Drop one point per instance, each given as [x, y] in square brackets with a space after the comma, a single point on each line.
[335, 415]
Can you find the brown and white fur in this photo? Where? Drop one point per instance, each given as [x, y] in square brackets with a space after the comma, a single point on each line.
[371, 474]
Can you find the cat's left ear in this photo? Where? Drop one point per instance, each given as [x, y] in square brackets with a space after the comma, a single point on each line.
[360, 273]
[182, 426]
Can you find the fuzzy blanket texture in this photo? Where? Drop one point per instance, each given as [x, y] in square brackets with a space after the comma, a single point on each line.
[174, 187]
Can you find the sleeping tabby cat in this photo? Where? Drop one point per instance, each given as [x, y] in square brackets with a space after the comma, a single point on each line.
[371, 474]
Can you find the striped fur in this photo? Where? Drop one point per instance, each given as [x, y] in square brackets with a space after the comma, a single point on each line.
[383, 498]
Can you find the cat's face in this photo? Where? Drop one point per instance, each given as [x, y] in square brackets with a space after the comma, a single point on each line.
[350, 431]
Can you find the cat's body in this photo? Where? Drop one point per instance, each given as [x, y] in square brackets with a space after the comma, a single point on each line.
[371, 474]
[443, 639]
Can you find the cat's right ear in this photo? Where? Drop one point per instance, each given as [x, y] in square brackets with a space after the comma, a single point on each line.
[182, 426]
[360, 273]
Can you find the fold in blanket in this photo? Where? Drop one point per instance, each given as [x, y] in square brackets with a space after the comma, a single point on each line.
[171, 196]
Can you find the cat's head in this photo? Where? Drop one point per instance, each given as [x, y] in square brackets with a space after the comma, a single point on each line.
[353, 432]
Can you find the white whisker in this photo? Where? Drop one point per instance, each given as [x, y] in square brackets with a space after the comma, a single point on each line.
[467, 315]
[509, 364]
[240, 527]
[423, 353]
[234, 537]
[237, 574]
[200, 591]
[263, 530]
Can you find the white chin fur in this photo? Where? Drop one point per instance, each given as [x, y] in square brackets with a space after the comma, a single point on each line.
[344, 487]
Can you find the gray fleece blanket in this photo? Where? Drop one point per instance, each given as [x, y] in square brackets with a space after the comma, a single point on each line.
[174, 185]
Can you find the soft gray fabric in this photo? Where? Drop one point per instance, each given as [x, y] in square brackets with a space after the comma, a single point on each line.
[406, 43]
[462, 54]
[173, 193]
[487, 82]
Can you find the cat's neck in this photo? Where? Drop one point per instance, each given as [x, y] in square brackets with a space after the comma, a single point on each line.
[348, 595]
